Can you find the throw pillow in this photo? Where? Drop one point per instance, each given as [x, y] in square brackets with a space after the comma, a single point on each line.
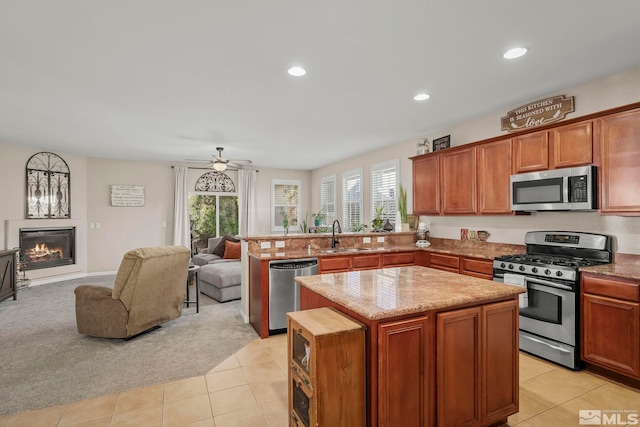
[220, 247]
[232, 250]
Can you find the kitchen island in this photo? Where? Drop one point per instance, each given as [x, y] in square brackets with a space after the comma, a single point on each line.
[441, 348]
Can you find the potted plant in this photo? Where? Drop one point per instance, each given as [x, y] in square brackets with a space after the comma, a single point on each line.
[358, 228]
[318, 218]
[377, 221]
[402, 208]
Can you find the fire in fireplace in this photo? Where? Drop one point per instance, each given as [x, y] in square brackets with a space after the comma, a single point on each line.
[47, 247]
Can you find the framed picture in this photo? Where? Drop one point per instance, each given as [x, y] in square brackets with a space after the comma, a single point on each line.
[442, 143]
[413, 222]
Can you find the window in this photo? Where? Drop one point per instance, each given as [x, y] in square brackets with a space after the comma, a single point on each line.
[328, 198]
[351, 199]
[212, 215]
[384, 189]
[285, 203]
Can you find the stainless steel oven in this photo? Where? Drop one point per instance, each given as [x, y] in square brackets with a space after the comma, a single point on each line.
[549, 310]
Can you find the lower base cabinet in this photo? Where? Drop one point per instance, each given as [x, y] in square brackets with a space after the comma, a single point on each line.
[477, 365]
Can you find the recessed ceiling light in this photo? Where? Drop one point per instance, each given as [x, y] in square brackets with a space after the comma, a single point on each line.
[297, 71]
[422, 97]
[516, 52]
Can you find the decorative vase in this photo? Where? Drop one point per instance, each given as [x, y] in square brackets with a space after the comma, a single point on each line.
[387, 226]
[317, 222]
[398, 222]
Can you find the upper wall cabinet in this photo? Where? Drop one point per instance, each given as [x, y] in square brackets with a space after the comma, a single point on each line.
[426, 185]
[459, 186]
[560, 147]
[619, 147]
[494, 172]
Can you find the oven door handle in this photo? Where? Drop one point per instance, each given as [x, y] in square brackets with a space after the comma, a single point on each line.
[555, 347]
[549, 284]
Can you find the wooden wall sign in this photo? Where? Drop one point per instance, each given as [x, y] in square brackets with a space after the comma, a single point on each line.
[538, 113]
[127, 195]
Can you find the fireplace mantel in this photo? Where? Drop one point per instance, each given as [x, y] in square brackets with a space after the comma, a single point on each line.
[12, 240]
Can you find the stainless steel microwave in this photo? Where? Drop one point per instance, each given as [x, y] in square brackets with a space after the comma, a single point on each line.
[567, 189]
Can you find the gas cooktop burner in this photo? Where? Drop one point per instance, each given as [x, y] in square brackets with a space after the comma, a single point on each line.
[544, 260]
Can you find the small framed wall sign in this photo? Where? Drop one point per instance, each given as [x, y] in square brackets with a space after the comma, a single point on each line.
[127, 195]
[442, 143]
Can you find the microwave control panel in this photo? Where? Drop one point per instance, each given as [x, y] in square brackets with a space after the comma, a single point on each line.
[578, 189]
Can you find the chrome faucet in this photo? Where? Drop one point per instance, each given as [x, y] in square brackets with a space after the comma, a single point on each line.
[335, 241]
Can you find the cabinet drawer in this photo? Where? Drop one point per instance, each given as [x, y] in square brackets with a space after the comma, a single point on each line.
[365, 261]
[403, 258]
[334, 264]
[442, 260]
[481, 266]
[609, 287]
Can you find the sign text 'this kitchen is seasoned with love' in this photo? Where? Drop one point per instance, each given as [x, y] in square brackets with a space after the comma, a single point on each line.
[538, 113]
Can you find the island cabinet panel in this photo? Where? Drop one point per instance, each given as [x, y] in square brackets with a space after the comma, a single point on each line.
[426, 185]
[459, 181]
[404, 381]
[326, 354]
[571, 145]
[458, 367]
[398, 259]
[620, 163]
[334, 264]
[611, 324]
[482, 268]
[531, 152]
[494, 173]
[477, 365]
[445, 262]
[259, 296]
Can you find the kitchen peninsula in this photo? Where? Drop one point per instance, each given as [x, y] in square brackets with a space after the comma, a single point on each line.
[441, 348]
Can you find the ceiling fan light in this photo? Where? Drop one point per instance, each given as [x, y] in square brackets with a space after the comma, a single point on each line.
[219, 166]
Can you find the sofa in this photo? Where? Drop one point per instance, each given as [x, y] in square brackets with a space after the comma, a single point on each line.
[149, 290]
[220, 268]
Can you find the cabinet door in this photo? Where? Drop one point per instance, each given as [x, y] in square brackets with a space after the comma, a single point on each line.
[531, 152]
[620, 163]
[334, 264]
[426, 185]
[500, 361]
[404, 387]
[365, 262]
[494, 171]
[458, 367]
[610, 334]
[572, 145]
[398, 259]
[445, 262]
[458, 177]
[481, 268]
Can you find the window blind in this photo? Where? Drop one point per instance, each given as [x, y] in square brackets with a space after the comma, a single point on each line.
[351, 199]
[384, 189]
[328, 198]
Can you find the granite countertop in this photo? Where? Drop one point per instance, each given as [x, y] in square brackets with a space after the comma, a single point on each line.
[626, 266]
[391, 292]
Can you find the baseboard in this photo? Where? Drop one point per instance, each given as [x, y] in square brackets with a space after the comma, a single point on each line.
[53, 279]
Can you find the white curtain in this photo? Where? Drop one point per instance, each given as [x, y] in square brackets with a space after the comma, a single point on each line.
[181, 231]
[247, 202]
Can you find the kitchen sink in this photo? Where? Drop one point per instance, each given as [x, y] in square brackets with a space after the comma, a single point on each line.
[342, 250]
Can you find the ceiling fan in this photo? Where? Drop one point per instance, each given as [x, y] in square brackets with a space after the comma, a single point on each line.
[221, 164]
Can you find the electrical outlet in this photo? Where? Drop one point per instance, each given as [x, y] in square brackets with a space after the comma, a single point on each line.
[380, 239]
[366, 240]
[279, 244]
[265, 245]
[98, 225]
[92, 225]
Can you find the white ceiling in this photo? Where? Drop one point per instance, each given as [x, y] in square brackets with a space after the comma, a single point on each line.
[168, 80]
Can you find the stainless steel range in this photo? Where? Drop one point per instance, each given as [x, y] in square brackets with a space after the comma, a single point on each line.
[550, 309]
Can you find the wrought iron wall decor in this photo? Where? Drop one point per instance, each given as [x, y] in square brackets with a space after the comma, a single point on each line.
[215, 182]
[48, 187]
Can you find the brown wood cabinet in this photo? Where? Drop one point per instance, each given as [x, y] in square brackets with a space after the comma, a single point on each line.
[482, 268]
[619, 149]
[397, 259]
[334, 264]
[459, 181]
[531, 152]
[404, 379]
[445, 262]
[477, 365]
[494, 172]
[426, 185]
[8, 285]
[610, 332]
[326, 353]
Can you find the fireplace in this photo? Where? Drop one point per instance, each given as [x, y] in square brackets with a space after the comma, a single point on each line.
[47, 247]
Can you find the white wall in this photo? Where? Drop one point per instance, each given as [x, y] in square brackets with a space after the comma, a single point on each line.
[609, 92]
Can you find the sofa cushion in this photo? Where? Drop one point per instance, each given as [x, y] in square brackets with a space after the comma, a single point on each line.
[204, 259]
[221, 274]
[232, 250]
[220, 247]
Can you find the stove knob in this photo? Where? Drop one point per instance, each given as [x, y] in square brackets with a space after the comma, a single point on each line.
[534, 270]
[503, 265]
[558, 273]
[547, 272]
[510, 266]
[521, 268]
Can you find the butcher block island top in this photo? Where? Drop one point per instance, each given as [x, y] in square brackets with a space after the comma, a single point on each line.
[393, 292]
[440, 348]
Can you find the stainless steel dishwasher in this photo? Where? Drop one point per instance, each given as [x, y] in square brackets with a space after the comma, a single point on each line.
[284, 292]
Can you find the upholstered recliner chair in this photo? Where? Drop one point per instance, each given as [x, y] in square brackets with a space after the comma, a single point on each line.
[149, 290]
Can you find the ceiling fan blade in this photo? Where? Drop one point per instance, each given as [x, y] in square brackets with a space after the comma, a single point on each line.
[197, 161]
[241, 161]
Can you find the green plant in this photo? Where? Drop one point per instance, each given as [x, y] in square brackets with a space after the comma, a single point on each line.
[358, 228]
[402, 204]
[304, 224]
[318, 217]
[377, 222]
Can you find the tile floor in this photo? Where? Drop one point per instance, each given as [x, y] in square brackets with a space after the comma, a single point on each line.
[250, 389]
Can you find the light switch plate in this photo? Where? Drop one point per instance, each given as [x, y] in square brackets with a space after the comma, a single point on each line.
[265, 245]
[380, 239]
[366, 240]
[280, 244]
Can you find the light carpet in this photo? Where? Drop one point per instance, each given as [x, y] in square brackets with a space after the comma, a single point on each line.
[45, 362]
